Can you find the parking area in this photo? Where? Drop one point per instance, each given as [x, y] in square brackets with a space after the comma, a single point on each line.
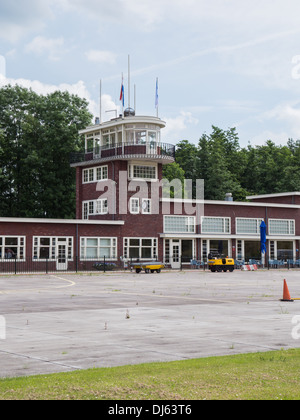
[65, 322]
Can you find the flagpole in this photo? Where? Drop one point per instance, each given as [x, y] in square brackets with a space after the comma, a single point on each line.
[128, 81]
[156, 97]
[122, 93]
[100, 101]
[135, 98]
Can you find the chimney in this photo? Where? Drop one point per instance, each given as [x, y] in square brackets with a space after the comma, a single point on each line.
[228, 197]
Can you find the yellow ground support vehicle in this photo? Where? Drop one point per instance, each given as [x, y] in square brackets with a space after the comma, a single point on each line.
[149, 267]
[220, 264]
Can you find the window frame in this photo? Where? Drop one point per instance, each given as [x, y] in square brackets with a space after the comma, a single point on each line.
[84, 247]
[141, 176]
[258, 220]
[21, 247]
[54, 242]
[291, 227]
[127, 246]
[91, 208]
[190, 224]
[226, 225]
[95, 174]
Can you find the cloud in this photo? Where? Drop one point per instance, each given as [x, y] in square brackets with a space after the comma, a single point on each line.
[101, 56]
[18, 18]
[78, 89]
[54, 48]
[289, 114]
[142, 14]
[176, 126]
[236, 14]
[2, 66]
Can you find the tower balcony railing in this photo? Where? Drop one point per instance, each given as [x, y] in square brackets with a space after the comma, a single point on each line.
[152, 150]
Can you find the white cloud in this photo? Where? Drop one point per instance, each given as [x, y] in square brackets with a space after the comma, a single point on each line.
[279, 138]
[176, 126]
[142, 13]
[101, 56]
[17, 18]
[2, 66]
[78, 89]
[54, 48]
[238, 15]
[288, 113]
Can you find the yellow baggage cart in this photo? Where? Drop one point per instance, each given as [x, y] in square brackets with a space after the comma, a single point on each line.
[149, 267]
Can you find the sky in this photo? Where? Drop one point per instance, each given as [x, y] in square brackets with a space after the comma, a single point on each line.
[227, 63]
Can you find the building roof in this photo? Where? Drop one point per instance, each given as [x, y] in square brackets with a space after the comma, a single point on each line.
[262, 196]
[61, 221]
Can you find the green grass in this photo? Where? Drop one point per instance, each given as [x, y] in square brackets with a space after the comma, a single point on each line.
[267, 376]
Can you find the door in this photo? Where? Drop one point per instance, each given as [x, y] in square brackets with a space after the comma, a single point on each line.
[62, 260]
[176, 255]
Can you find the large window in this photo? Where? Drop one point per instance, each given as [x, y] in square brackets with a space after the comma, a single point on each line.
[215, 247]
[46, 247]
[95, 207]
[247, 250]
[95, 174]
[12, 247]
[143, 171]
[98, 248]
[138, 134]
[179, 224]
[140, 248]
[215, 225]
[248, 226]
[281, 227]
[136, 207]
[282, 250]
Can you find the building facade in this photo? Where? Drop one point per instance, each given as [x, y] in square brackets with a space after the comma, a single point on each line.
[123, 212]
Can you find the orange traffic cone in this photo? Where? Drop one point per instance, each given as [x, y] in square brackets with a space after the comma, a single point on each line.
[286, 293]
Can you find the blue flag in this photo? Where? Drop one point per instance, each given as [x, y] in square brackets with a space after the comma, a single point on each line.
[156, 94]
[263, 237]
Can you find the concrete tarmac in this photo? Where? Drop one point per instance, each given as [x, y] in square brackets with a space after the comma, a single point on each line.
[65, 322]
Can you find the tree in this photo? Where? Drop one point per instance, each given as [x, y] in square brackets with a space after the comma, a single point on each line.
[187, 157]
[38, 135]
[226, 167]
[172, 172]
[219, 164]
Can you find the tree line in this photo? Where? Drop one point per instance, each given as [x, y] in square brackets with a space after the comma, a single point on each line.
[38, 133]
[226, 167]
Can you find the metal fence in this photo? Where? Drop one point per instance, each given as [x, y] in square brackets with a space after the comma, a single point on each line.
[76, 264]
[53, 265]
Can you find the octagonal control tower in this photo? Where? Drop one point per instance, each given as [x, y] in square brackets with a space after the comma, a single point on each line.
[130, 144]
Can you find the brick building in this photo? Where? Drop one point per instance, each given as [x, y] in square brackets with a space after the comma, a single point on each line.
[122, 214]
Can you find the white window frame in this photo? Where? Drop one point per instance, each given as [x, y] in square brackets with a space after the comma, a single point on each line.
[21, 248]
[258, 223]
[94, 208]
[190, 223]
[138, 206]
[113, 247]
[134, 205]
[226, 225]
[291, 227]
[146, 206]
[101, 206]
[54, 242]
[273, 248]
[131, 171]
[127, 245]
[96, 174]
